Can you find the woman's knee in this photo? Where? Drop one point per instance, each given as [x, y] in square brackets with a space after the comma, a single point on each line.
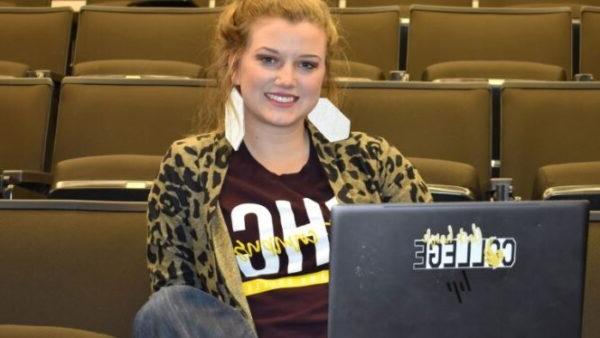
[176, 309]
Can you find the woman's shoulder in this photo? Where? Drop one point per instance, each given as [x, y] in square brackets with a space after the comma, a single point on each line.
[189, 151]
[361, 143]
[196, 145]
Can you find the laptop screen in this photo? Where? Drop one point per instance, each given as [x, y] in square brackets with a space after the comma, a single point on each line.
[510, 269]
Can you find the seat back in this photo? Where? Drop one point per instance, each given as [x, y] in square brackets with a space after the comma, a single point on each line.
[591, 300]
[26, 118]
[547, 123]
[25, 3]
[38, 37]
[199, 3]
[575, 5]
[429, 120]
[105, 116]
[371, 35]
[405, 4]
[145, 33]
[73, 264]
[440, 34]
[589, 42]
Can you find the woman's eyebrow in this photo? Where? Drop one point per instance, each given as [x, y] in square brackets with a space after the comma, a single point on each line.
[275, 51]
[271, 50]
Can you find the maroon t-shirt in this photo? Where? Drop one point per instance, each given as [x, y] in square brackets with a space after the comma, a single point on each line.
[279, 226]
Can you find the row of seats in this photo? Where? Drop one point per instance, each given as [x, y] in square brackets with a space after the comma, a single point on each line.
[403, 4]
[442, 42]
[82, 265]
[102, 122]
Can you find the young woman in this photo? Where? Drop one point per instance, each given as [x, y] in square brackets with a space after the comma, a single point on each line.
[241, 218]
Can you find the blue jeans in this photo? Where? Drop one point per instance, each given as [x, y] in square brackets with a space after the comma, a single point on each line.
[185, 311]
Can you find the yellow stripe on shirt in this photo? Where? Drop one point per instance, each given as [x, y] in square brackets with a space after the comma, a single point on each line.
[260, 285]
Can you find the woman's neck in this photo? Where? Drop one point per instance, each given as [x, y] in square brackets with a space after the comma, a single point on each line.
[279, 150]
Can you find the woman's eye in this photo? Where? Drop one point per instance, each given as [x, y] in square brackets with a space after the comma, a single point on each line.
[266, 60]
[307, 65]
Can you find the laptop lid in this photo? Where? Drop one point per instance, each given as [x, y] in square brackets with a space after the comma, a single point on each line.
[504, 269]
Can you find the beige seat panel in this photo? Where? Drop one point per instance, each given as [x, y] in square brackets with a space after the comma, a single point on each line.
[441, 34]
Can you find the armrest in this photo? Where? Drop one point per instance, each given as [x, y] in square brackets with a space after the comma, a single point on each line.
[45, 73]
[34, 180]
[398, 75]
[584, 77]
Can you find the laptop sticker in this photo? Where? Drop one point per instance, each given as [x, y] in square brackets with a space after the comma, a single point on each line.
[464, 250]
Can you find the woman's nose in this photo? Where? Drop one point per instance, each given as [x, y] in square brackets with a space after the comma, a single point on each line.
[286, 76]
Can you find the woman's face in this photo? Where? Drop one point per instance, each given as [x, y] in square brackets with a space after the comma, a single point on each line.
[281, 72]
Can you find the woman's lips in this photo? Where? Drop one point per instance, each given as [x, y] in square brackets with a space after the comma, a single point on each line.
[281, 100]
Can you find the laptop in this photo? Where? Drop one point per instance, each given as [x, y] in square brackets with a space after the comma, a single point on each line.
[474, 269]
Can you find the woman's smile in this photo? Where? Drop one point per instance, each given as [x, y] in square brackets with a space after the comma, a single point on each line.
[282, 100]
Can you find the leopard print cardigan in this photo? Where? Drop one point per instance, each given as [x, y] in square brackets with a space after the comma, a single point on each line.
[188, 241]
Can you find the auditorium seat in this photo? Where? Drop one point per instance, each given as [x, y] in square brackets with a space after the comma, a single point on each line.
[112, 132]
[405, 4]
[13, 69]
[370, 39]
[589, 41]
[72, 264]
[580, 180]
[144, 40]
[448, 181]
[124, 177]
[546, 123]
[477, 69]
[575, 5]
[25, 3]
[128, 122]
[442, 121]
[493, 38]
[198, 3]
[35, 38]
[26, 118]
[37, 331]
[591, 301]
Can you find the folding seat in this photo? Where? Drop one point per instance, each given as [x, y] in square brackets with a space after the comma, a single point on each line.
[591, 300]
[405, 4]
[26, 116]
[450, 123]
[580, 180]
[545, 123]
[508, 43]
[575, 5]
[34, 39]
[72, 264]
[198, 3]
[35, 331]
[25, 3]
[589, 42]
[371, 41]
[111, 134]
[144, 40]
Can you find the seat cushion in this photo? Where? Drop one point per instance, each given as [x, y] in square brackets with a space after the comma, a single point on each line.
[351, 69]
[30, 331]
[138, 67]
[16, 69]
[106, 177]
[443, 172]
[108, 167]
[566, 174]
[498, 69]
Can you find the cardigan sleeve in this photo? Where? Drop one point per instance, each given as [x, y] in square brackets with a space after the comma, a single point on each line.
[400, 181]
[169, 245]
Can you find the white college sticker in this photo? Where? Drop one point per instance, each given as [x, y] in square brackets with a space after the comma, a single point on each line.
[464, 250]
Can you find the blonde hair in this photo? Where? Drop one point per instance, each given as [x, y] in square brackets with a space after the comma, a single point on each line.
[231, 39]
